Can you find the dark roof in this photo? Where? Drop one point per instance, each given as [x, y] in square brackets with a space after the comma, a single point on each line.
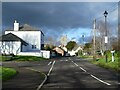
[11, 37]
[26, 27]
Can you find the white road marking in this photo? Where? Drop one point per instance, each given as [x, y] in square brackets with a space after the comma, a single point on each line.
[93, 75]
[80, 67]
[100, 80]
[83, 69]
[63, 60]
[66, 60]
[39, 87]
[42, 81]
[49, 63]
[51, 68]
[118, 83]
[75, 64]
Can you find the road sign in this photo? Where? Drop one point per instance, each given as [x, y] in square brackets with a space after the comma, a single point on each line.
[106, 39]
[113, 55]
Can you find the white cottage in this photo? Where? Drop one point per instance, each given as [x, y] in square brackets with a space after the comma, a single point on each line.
[23, 40]
[75, 50]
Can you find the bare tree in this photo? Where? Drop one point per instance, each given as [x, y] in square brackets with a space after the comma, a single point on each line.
[100, 36]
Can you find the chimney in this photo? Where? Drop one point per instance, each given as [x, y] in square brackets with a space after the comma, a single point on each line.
[16, 26]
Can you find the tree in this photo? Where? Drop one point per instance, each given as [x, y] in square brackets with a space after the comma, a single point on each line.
[114, 43]
[100, 36]
[70, 45]
[49, 47]
[63, 40]
[88, 48]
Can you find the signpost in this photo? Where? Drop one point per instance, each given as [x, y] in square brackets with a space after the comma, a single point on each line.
[113, 55]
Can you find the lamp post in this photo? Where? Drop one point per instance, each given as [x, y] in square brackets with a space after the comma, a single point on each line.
[106, 38]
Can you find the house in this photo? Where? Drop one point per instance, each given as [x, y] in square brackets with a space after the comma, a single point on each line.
[59, 50]
[75, 50]
[11, 44]
[23, 40]
[62, 50]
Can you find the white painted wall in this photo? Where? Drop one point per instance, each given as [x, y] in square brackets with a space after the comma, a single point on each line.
[44, 54]
[31, 37]
[72, 53]
[79, 48]
[10, 47]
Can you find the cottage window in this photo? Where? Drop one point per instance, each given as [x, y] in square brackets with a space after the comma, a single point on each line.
[33, 46]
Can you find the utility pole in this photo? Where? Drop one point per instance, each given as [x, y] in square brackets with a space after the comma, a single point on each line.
[94, 37]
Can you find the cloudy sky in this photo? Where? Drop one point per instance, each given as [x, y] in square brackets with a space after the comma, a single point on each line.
[73, 19]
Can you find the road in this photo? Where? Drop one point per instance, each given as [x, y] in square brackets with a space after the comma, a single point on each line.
[26, 79]
[74, 73]
[65, 73]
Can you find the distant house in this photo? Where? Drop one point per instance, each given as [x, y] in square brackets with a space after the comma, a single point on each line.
[59, 50]
[22, 40]
[75, 50]
[62, 50]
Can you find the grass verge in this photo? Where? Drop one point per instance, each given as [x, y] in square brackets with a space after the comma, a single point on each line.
[7, 73]
[100, 61]
[109, 64]
[22, 58]
[85, 56]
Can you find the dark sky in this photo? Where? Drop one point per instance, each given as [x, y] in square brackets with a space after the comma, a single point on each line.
[57, 19]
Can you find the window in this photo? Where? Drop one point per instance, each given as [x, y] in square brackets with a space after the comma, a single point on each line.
[33, 46]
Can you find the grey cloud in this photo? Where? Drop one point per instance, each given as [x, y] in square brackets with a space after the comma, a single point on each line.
[51, 14]
[53, 18]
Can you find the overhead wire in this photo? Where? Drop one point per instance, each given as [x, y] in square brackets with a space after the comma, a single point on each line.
[110, 10]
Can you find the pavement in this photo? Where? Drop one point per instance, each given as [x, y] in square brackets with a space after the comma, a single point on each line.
[67, 73]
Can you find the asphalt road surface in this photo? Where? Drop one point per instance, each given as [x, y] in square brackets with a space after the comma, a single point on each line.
[68, 73]
[27, 78]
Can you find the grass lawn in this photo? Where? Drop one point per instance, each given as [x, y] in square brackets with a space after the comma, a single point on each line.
[109, 64]
[21, 58]
[5, 58]
[7, 73]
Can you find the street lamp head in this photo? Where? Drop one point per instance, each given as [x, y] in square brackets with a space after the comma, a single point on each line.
[105, 13]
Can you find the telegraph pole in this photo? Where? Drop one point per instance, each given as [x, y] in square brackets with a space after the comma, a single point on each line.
[94, 37]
